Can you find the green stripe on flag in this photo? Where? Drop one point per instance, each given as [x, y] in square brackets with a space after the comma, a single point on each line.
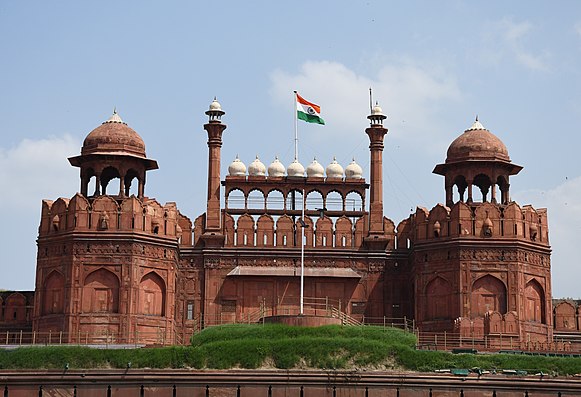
[310, 118]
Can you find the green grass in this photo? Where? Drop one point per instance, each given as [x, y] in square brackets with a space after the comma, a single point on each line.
[248, 346]
[254, 346]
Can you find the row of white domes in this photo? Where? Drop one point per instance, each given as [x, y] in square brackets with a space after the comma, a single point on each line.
[315, 169]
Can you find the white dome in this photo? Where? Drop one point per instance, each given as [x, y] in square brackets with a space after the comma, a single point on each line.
[353, 171]
[377, 110]
[315, 169]
[215, 105]
[295, 169]
[256, 168]
[334, 170]
[237, 168]
[276, 168]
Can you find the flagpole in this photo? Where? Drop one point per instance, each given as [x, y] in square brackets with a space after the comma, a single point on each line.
[303, 254]
[296, 127]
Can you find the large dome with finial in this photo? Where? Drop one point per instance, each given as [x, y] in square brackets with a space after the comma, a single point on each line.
[114, 136]
[477, 143]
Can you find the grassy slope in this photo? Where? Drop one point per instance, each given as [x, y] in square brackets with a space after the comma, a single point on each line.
[251, 346]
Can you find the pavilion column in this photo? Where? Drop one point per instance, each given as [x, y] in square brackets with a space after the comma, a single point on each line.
[469, 200]
[97, 184]
[449, 195]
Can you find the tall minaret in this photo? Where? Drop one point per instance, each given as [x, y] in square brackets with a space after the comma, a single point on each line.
[213, 228]
[375, 237]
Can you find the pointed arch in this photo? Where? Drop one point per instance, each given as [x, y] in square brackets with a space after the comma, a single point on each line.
[101, 292]
[54, 293]
[15, 308]
[265, 231]
[309, 232]
[229, 229]
[565, 316]
[245, 231]
[324, 232]
[488, 294]
[285, 232]
[438, 299]
[152, 295]
[343, 233]
[534, 297]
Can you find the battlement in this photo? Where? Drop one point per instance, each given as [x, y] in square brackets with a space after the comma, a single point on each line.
[107, 214]
[479, 221]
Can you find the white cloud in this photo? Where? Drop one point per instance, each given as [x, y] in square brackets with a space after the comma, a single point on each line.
[564, 211]
[36, 169]
[513, 36]
[408, 93]
[29, 172]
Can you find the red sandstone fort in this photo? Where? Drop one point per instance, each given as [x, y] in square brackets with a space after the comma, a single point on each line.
[138, 271]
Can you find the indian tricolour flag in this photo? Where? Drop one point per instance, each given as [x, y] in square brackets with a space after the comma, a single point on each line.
[308, 111]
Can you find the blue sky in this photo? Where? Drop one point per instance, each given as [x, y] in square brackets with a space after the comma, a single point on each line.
[433, 66]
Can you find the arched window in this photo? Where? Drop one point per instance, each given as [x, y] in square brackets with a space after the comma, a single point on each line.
[152, 295]
[130, 187]
[107, 175]
[314, 200]
[235, 199]
[488, 294]
[484, 184]
[275, 200]
[101, 292]
[255, 200]
[353, 202]
[334, 201]
[294, 200]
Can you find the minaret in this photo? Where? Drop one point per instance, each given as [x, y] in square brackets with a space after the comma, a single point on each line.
[213, 228]
[376, 132]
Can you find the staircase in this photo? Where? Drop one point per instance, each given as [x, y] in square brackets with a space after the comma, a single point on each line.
[345, 318]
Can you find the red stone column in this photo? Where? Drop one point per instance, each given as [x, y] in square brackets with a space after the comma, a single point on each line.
[214, 130]
[213, 228]
[376, 134]
[376, 239]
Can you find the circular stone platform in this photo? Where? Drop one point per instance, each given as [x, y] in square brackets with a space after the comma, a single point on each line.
[302, 321]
